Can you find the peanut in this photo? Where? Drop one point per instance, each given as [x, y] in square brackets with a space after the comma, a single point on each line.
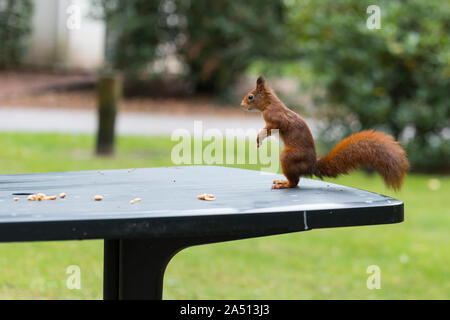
[32, 197]
[210, 197]
[41, 196]
[98, 198]
[135, 200]
[207, 197]
[62, 195]
[16, 199]
[50, 198]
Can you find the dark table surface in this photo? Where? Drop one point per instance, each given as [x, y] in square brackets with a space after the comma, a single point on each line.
[245, 205]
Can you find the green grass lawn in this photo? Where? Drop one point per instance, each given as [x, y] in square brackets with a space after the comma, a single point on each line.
[320, 264]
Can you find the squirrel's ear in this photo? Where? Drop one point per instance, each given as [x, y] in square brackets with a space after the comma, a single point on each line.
[260, 81]
[260, 84]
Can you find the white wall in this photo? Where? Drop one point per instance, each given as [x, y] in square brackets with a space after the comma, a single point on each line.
[64, 36]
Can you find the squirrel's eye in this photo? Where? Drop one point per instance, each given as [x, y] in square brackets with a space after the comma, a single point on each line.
[250, 97]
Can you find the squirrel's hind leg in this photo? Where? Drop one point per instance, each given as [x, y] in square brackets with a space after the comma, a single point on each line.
[283, 184]
[291, 166]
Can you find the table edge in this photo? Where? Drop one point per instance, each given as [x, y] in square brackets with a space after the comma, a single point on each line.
[243, 225]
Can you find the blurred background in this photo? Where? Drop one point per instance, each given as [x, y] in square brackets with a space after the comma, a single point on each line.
[177, 61]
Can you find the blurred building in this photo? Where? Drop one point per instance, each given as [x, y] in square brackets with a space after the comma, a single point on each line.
[66, 36]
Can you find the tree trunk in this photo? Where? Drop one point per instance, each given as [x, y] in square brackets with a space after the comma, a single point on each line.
[109, 91]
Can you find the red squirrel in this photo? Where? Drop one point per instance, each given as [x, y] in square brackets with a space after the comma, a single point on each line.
[365, 148]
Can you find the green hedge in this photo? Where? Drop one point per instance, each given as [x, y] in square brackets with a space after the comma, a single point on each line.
[396, 78]
[214, 40]
[15, 26]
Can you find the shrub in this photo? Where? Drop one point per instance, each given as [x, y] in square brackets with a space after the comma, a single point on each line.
[223, 37]
[396, 78]
[215, 41]
[15, 26]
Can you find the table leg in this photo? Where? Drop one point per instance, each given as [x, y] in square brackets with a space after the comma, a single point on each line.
[134, 268]
[111, 269]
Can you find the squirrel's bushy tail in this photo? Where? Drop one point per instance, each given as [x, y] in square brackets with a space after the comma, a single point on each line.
[366, 148]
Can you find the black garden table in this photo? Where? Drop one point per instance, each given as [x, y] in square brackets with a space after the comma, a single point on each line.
[141, 238]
